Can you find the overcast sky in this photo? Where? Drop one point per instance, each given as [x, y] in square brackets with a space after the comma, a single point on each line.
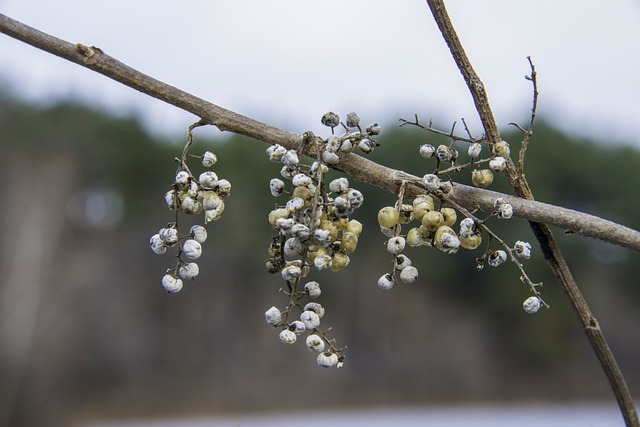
[286, 62]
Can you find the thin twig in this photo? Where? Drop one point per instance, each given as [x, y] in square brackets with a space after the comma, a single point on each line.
[533, 78]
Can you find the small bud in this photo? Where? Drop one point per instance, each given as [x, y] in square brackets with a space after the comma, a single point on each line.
[182, 178]
[339, 185]
[209, 159]
[523, 249]
[409, 274]
[395, 245]
[208, 179]
[315, 343]
[496, 258]
[189, 271]
[273, 316]
[171, 284]
[498, 164]
[505, 211]
[366, 145]
[431, 182]
[482, 177]
[474, 150]
[467, 227]
[373, 129]
[192, 249]
[157, 245]
[310, 319]
[330, 119]
[291, 272]
[531, 305]
[386, 281]
[501, 149]
[191, 206]
[169, 236]
[322, 261]
[223, 188]
[297, 327]
[353, 120]
[327, 360]
[170, 198]
[312, 289]
[291, 158]
[276, 152]
[210, 200]
[444, 153]
[330, 158]
[402, 261]
[427, 150]
[287, 336]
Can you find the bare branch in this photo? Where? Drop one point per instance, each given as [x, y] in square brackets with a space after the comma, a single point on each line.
[542, 232]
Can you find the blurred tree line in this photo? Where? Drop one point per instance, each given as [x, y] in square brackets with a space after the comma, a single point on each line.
[86, 329]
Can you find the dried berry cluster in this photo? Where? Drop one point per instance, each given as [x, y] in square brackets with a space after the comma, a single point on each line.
[435, 229]
[314, 231]
[192, 196]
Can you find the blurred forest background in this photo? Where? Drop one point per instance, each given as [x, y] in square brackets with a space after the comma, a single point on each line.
[87, 331]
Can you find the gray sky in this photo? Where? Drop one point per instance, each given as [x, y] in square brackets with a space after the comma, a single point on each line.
[286, 62]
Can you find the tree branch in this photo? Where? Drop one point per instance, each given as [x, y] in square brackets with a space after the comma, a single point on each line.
[361, 169]
[545, 238]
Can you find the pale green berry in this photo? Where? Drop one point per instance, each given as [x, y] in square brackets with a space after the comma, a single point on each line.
[471, 242]
[210, 200]
[482, 177]
[388, 217]
[501, 148]
[449, 215]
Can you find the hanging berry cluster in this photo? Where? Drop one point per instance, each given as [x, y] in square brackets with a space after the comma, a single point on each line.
[314, 231]
[191, 196]
[436, 224]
